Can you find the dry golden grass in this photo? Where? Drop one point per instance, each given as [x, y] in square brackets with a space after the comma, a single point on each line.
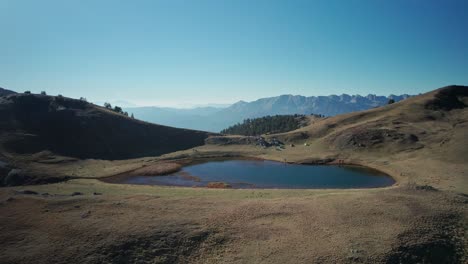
[423, 218]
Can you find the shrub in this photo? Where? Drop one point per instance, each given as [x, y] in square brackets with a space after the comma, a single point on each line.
[118, 109]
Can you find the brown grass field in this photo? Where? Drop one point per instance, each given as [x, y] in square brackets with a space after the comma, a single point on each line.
[421, 142]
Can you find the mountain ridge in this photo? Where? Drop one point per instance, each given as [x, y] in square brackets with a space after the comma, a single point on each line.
[216, 119]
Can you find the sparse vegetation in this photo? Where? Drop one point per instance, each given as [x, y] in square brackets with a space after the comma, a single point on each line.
[266, 124]
[449, 98]
[116, 109]
[419, 220]
[317, 115]
[391, 101]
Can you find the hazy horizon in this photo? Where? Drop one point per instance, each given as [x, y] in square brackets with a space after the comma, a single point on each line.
[182, 105]
[185, 105]
[175, 53]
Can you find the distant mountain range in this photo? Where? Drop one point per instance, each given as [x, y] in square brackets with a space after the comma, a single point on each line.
[215, 119]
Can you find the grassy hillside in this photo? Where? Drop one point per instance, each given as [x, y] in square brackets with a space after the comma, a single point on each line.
[32, 123]
[435, 122]
[421, 142]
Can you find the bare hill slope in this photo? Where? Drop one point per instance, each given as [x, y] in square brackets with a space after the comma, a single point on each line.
[32, 123]
[5, 92]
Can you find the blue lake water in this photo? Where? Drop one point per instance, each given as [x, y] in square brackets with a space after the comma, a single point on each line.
[268, 174]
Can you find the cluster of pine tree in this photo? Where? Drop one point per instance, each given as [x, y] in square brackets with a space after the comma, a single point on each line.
[266, 124]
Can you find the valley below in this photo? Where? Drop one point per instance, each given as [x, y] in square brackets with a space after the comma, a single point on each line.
[62, 206]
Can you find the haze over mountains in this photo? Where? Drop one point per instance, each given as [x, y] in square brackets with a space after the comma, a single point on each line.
[215, 119]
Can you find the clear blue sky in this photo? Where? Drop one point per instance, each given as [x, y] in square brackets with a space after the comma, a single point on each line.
[181, 52]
